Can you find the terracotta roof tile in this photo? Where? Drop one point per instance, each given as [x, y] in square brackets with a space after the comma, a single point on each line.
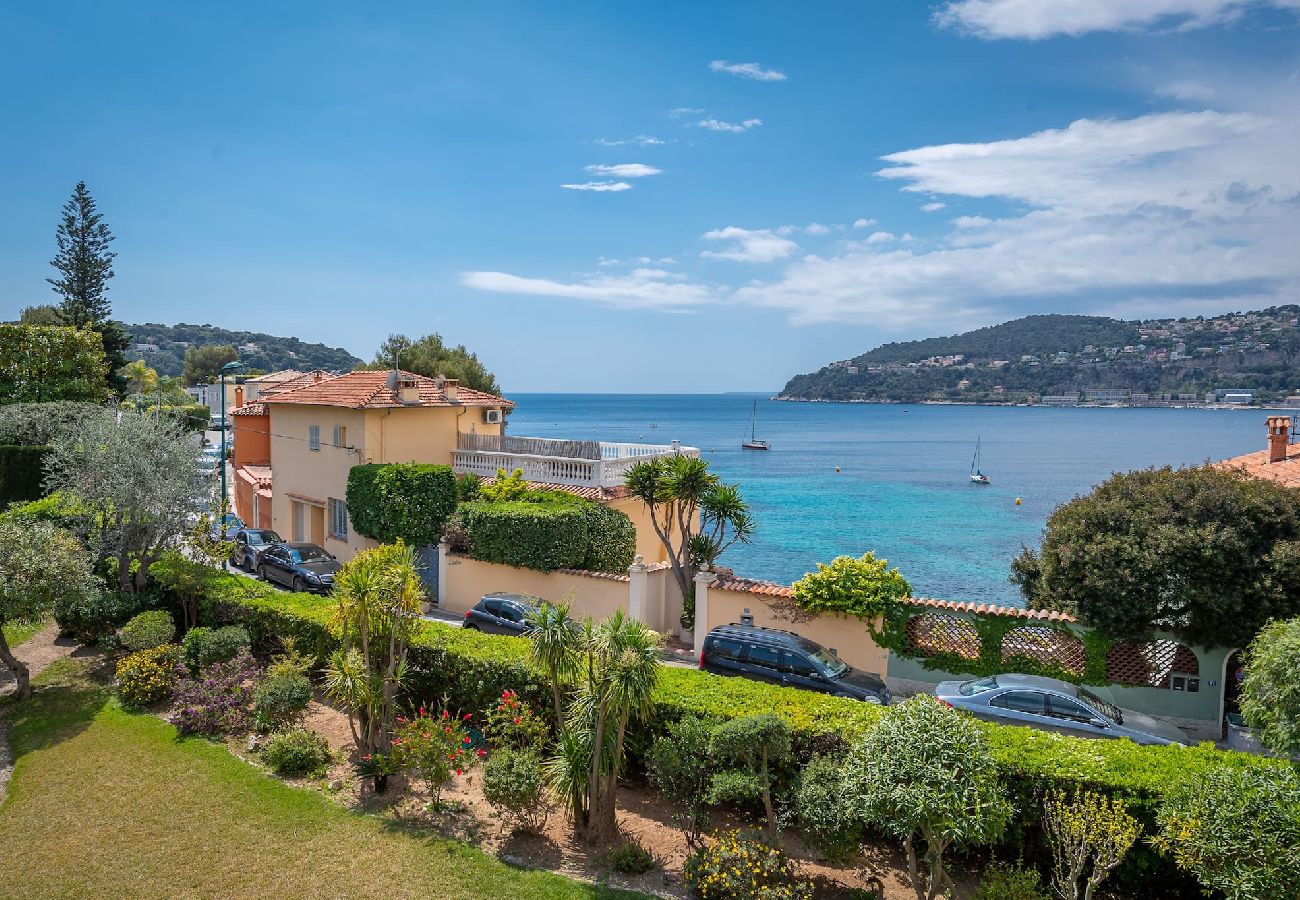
[250, 409]
[1286, 472]
[293, 382]
[258, 476]
[369, 390]
[583, 491]
[274, 377]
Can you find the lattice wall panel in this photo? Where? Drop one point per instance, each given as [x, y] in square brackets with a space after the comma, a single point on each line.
[1152, 663]
[1046, 646]
[933, 633]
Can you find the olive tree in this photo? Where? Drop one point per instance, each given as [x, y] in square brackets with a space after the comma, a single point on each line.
[926, 775]
[40, 565]
[135, 477]
[1206, 553]
[695, 516]
[1236, 830]
[1270, 693]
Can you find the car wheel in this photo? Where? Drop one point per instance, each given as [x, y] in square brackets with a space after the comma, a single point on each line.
[470, 626]
[261, 573]
[297, 585]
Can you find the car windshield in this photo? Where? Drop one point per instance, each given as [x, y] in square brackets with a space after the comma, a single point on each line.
[261, 538]
[1105, 707]
[978, 686]
[831, 665]
[309, 554]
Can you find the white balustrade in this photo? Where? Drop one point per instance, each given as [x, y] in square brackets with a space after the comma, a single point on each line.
[609, 471]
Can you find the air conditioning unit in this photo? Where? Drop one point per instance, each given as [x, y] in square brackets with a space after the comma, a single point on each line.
[492, 416]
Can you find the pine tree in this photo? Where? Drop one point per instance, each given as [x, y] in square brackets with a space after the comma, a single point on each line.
[85, 264]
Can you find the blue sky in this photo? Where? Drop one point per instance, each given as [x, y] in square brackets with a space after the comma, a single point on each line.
[662, 197]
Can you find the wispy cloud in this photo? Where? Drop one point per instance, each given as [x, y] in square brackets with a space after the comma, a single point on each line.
[817, 228]
[750, 70]
[733, 127]
[933, 207]
[863, 223]
[749, 245]
[1037, 19]
[624, 170]
[611, 186]
[647, 289]
[640, 140]
[683, 111]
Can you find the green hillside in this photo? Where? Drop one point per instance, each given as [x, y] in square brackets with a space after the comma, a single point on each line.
[259, 351]
[1033, 335]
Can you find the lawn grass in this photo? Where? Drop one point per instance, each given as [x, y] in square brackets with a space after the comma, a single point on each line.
[17, 632]
[108, 803]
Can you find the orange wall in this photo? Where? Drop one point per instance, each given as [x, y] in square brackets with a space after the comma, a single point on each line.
[252, 440]
[647, 542]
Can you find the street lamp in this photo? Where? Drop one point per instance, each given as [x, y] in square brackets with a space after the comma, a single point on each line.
[228, 367]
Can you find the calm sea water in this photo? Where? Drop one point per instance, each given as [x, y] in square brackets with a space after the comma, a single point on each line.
[902, 488]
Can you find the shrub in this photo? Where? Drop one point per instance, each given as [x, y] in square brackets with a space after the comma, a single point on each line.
[280, 701]
[541, 536]
[90, 617]
[611, 539]
[467, 487]
[1089, 835]
[147, 630]
[732, 867]
[630, 858]
[435, 748]
[147, 676]
[504, 488]
[295, 752]
[202, 646]
[865, 587]
[514, 783]
[679, 767]
[1237, 832]
[820, 810]
[410, 502]
[513, 724]
[754, 745]
[1003, 881]
[926, 773]
[1270, 693]
[21, 473]
[216, 701]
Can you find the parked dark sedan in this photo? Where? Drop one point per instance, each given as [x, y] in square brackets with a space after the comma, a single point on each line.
[500, 613]
[301, 566]
[250, 543]
[1054, 705]
[785, 658]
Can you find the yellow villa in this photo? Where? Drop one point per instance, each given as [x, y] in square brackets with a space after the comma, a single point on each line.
[320, 431]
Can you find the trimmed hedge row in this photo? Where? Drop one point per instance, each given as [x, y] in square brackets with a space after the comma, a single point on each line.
[410, 502]
[22, 470]
[548, 530]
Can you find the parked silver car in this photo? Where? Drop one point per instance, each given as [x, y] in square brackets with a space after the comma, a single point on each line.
[1054, 705]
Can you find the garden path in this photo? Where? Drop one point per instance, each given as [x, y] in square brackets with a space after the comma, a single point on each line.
[37, 652]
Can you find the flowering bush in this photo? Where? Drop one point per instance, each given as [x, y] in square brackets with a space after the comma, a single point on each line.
[513, 782]
[298, 751]
[148, 630]
[147, 676]
[216, 701]
[435, 748]
[513, 724]
[733, 866]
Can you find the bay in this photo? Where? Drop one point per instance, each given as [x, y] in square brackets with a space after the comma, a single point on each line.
[902, 488]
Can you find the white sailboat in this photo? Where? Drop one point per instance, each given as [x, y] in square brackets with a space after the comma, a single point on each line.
[976, 475]
[754, 442]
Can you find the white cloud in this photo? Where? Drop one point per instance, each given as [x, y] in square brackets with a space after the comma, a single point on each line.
[733, 127]
[630, 291]
[641, 140]
[863, 223]
[933, 207]
[749, 245]
[880, 237]
[624, 170]
[1036, 19]
[598, 186]
[817, 228]
[749, 70]
[681, 111]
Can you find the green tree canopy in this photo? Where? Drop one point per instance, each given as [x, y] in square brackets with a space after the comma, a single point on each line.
[1208, 554]
[203, 364]
[430, 357]
[1270, 693]
[40, 363]
[44, 314]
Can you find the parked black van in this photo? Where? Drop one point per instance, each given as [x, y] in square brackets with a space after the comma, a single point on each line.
[782, 657]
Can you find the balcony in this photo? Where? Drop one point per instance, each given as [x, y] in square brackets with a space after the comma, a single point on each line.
[583, 463]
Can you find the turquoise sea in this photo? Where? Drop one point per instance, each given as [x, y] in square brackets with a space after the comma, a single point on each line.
[902, 488]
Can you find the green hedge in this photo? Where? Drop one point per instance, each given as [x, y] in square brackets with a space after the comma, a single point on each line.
[406, 501]
[22, 469]
[547, 530]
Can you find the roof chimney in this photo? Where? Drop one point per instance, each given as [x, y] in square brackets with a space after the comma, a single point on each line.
[450, 387]
[1279, 428]
[239, 396]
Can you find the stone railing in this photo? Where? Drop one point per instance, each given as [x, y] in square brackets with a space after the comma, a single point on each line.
[609, 469]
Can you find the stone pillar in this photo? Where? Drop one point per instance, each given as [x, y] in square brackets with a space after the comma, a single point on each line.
[702, 582]
[637, 587]
[442, 574]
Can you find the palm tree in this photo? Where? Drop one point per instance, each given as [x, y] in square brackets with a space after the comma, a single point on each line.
[554, 643]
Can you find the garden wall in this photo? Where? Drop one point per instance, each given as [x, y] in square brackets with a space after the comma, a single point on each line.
[465, 580]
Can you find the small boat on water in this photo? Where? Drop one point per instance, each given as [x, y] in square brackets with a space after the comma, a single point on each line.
[976, 475]
[754, 442]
